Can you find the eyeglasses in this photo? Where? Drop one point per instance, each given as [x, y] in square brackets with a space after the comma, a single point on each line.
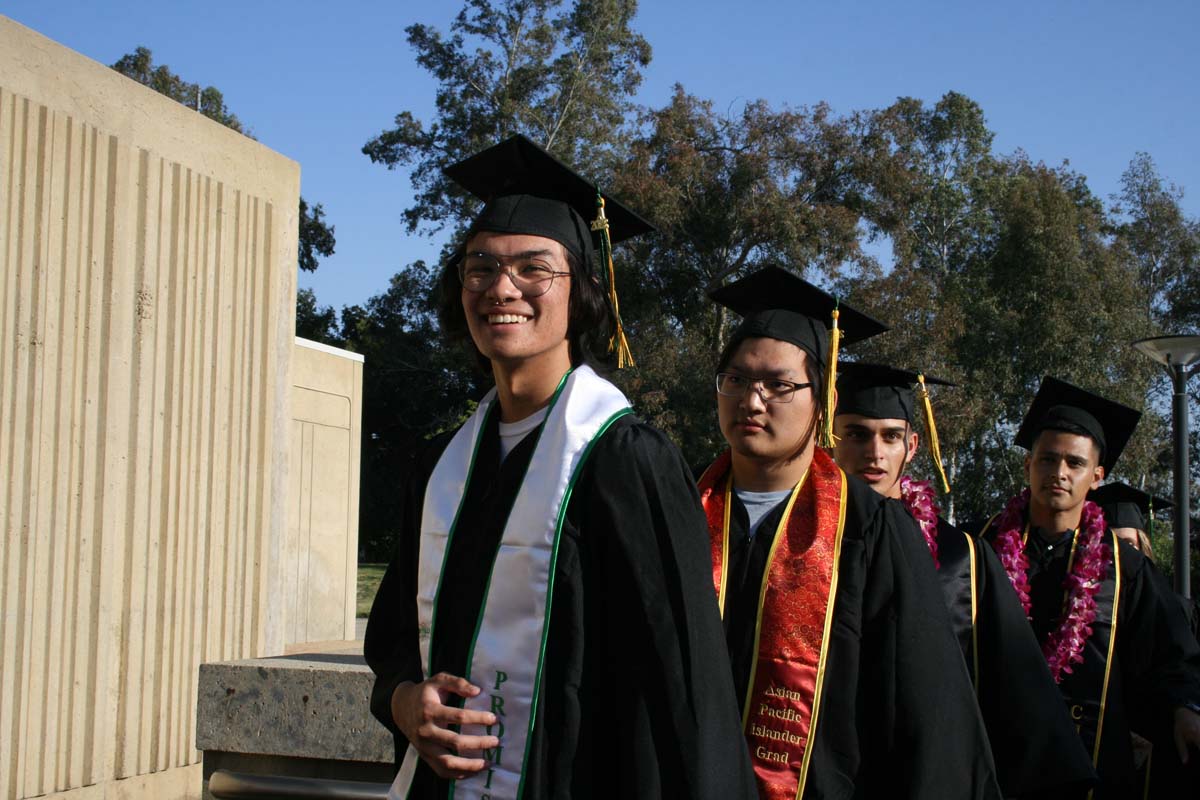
[771, 390]
[532, 276]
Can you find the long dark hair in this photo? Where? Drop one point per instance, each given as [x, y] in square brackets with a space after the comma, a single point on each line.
[814, 373]
[590, 318]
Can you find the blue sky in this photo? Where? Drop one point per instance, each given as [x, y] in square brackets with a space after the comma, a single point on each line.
[1089, 82]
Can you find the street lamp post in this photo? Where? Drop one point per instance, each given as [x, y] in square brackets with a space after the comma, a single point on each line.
[1178, 354]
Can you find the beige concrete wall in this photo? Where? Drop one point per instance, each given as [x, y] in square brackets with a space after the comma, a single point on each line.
[147, 291]
[321, 555]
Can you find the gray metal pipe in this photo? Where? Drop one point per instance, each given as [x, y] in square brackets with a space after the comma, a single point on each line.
[1179, 414]
[226, 785]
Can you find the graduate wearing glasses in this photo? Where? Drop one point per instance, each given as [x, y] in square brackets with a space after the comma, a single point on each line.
[846, 671]
[547, 627]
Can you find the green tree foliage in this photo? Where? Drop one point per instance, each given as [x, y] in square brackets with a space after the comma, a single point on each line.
[1002, 270]
[316, 322]
[316, 236]
[1162, 244]
[139, 65]
[1005, 271]
[560, 73]
[729, 193]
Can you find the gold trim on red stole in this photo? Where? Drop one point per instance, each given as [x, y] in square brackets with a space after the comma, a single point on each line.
[716, 510]
[795, 616]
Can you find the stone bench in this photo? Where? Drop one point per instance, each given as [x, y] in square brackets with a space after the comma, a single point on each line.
[305, 714]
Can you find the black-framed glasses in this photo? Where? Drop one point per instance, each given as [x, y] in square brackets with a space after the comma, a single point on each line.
[532, 275]
[771, 390]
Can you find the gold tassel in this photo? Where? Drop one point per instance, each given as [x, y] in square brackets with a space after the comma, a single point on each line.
[828, 440]
[618, 341]
[935, 449]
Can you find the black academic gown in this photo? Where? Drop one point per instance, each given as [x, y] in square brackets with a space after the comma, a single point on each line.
[636, 698]
[1034, 744]
[901, 718]
[1154, 668]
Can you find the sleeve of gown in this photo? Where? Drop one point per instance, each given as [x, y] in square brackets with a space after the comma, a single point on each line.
[660, 591]
[390, 645]
[934, 740]
[1034, 744]
[1159, 656]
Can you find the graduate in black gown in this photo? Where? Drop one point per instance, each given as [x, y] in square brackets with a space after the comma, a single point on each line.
[847, 671]
[633, 696]
[1129, 513]
[1111, 638]
[1034, 744]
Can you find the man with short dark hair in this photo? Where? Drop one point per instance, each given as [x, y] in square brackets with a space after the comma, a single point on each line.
[1107, 632]
[846, 670]
[1034, 744]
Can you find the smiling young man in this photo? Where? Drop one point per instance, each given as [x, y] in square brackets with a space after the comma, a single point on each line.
[846, 671]
[1034, 744]
[1109, 636]
[546, 628]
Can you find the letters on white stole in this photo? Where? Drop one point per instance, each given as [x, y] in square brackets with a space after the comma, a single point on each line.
[509, 646]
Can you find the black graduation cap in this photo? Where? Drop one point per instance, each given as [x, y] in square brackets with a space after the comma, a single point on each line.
[1059, 403]
[776, 304]
[879, 391]
[1127, 507]
[527, 190]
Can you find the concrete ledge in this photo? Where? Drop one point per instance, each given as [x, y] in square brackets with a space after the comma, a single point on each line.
[302, 706]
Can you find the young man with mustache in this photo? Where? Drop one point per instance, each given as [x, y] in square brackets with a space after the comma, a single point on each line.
[1110, 637]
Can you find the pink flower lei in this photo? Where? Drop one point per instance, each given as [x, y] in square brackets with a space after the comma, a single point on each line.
[1093, 556]
[918, 496]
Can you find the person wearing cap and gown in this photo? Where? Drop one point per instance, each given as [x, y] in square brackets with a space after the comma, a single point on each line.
[1129, 513]
[1034, 744]
[547, 627]
[1106, 629]
[847, 673]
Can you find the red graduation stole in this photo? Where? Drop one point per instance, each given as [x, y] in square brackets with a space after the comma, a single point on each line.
[795, 610]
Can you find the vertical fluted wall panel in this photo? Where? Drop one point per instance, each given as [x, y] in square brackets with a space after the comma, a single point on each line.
[147, 261]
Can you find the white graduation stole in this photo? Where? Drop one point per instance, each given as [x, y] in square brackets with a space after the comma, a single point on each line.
[508, 650]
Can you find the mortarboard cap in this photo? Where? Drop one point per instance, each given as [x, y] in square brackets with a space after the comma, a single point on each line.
[1058, 403]
[775, 304]
[1127, 507]
[528, 191]
[878, 391]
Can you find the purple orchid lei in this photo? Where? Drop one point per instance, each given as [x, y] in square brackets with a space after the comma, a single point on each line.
[918, 496]
[1093, 557]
